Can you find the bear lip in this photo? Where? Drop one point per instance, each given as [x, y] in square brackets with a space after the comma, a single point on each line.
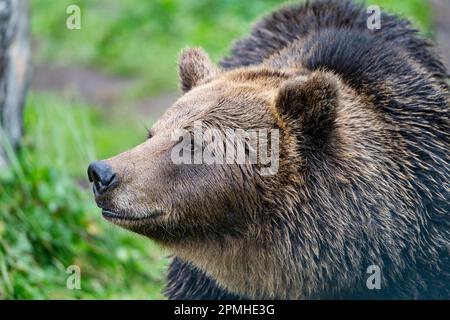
[108, 214]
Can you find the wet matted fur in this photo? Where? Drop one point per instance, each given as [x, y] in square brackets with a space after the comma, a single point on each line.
[363, 175]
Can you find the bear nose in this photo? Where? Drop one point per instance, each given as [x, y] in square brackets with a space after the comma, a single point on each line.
[102, 175]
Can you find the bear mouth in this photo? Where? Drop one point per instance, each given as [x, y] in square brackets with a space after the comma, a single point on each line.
[114, 216]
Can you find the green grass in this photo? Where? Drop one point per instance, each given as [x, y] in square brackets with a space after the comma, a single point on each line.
[142, 39]
[418, 11]
[48, 222]
[79, 133]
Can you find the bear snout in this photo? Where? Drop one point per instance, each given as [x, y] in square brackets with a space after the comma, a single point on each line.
[102, 176]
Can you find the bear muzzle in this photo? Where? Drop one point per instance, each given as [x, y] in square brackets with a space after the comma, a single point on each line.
[104, 180]
[102, 177]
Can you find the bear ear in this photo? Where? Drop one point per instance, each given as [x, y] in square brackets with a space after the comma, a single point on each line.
[311, 104]
[194, 65]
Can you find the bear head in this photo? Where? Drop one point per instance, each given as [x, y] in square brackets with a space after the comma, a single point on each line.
[239, 221]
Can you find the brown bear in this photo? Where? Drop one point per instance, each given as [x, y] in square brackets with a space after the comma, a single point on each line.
[362, 183]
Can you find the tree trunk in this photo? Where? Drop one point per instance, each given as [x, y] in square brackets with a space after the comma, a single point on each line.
[14, 71]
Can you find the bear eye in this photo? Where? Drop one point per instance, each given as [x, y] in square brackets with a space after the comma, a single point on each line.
[150, 133]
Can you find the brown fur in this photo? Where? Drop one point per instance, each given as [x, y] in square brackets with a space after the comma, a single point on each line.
[351, 190]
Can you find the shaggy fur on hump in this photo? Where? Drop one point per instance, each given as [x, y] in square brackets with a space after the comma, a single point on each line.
[402, 83]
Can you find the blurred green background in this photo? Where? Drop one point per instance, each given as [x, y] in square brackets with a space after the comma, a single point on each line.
[123, 66]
